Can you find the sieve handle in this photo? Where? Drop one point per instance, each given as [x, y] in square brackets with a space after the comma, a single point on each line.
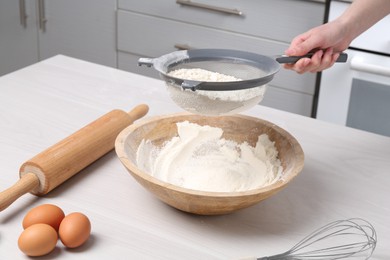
[293, 59]
[145, 61]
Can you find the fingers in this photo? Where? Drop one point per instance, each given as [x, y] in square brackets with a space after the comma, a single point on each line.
[321, 60]
[325, 61]
[299, 46]
[320, 39]
[305, 43]
[300, 66]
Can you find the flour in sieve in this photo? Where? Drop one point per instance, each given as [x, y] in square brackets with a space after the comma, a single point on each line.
[200, 159]
[209, 76]
[201, 75]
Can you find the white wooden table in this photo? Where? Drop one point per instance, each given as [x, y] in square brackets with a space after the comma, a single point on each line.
[346, 174]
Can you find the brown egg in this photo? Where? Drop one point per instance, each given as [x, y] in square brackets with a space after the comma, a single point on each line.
[74, 230]
[46, 213]
[38, 240]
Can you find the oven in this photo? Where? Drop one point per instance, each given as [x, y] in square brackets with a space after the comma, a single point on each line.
[357, 93]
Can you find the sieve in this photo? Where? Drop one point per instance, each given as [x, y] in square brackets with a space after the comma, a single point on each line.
[217, 98]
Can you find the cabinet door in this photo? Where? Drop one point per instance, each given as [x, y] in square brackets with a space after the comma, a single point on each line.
[81, 29]
[18, 39]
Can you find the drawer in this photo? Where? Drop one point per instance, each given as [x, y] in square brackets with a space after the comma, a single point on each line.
[149, 36]
[280, 20]
[294, 102]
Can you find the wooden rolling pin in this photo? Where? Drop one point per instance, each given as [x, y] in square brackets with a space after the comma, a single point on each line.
[50, 168]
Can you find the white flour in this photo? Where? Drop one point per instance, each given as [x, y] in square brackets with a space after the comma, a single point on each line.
[209, 76]
[200, 159]
[201, 75]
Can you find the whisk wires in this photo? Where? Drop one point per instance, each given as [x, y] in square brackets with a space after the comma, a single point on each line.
[354, 238]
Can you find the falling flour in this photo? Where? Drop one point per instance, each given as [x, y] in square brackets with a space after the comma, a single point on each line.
[200, 159]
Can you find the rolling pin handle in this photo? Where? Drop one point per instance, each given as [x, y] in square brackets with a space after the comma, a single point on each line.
[138, 112]
[30, 181]
[24, 185]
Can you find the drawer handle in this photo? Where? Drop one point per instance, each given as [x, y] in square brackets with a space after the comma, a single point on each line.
[182, 47]
[22, 13]
[358, 65]
[210, 7]
[41, 13]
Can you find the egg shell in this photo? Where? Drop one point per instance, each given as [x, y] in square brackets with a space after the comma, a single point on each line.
[38, 240]
[46, 213]
[74, 230]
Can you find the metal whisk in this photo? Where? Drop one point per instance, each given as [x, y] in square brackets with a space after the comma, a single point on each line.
[354, 238]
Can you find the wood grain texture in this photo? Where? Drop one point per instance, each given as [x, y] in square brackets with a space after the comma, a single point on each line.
[61, 161]
[27, 183]
[238, 128]
[58, 163]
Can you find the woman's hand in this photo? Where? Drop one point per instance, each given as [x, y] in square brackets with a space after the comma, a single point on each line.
[328, 40]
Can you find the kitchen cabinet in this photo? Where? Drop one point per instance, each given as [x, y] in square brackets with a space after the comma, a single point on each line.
[153, 28]
[18, 35]
[81, 29]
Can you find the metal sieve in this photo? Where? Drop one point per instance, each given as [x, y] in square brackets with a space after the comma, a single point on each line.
[217, 98]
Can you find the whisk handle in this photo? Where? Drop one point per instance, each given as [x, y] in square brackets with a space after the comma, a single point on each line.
[274, 257]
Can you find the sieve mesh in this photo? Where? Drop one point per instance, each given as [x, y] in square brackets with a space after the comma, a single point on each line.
[216, 98]
[228, 67]
[203, 101]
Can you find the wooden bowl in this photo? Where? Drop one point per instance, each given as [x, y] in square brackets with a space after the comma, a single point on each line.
[239, 128]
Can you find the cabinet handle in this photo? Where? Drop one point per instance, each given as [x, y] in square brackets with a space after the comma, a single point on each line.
[22, 13]
[42, 18]
[358, 65]
[210, 7]
[184, 46]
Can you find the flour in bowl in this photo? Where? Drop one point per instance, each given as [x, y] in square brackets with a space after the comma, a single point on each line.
[200, 159]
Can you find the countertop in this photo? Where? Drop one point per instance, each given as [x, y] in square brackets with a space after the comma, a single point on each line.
[346, 174]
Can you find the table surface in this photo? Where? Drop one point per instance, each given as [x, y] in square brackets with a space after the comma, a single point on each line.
[346, 174]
